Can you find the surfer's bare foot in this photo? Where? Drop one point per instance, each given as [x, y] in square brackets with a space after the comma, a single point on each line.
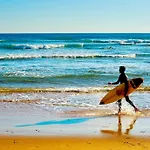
[137, 110]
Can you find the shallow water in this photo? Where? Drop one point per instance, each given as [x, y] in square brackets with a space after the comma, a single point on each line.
[71, 60]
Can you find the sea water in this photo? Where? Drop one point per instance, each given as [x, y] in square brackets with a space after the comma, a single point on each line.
[71, 70]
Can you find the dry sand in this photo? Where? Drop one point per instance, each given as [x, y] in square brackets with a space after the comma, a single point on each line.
[73, 143]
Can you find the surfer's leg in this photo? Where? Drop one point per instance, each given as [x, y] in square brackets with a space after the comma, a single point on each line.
[119, 105]
[131, 103]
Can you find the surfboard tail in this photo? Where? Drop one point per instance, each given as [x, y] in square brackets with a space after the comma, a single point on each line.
[101, 103]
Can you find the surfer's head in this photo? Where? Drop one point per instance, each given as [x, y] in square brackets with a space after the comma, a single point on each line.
[122, 69]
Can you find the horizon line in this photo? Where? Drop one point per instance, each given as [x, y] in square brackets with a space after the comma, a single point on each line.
[74, 32]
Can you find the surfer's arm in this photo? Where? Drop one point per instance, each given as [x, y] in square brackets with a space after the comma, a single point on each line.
[117, 82]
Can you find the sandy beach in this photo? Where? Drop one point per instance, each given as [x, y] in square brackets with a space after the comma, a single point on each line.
[72, 143]
[24, 126]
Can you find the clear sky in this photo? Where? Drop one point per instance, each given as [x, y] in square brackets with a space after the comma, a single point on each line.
[75, 16]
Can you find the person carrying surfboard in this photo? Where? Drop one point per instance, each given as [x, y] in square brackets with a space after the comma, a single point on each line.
[123, 79]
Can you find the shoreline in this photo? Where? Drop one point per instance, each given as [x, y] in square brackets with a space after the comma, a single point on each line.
[8, 90]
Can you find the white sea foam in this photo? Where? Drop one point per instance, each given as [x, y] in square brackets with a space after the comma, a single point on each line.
[73, 56]
[126, 55]
[122, 42]
[30, 46]
[18, 57]
[91, 56]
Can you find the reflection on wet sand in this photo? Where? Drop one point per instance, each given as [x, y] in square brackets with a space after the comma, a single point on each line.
[119, 132]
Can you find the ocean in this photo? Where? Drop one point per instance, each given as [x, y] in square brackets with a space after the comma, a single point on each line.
[70, 71]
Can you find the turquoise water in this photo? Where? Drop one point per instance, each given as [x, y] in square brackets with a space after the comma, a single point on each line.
[71, 60]
[71, 63]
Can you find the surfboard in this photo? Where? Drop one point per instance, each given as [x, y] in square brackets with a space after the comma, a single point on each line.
[118, 92]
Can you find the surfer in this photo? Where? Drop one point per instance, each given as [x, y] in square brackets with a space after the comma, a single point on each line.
[123, 79]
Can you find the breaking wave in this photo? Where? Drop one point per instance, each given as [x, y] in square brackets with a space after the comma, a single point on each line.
[32, 46]
[122, 42]
[73, 56]
[79, 44]
[74, 44]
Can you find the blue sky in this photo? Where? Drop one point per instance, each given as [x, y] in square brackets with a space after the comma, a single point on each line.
[74, 16]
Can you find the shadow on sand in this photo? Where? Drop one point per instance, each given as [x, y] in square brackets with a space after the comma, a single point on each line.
[119, 132]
